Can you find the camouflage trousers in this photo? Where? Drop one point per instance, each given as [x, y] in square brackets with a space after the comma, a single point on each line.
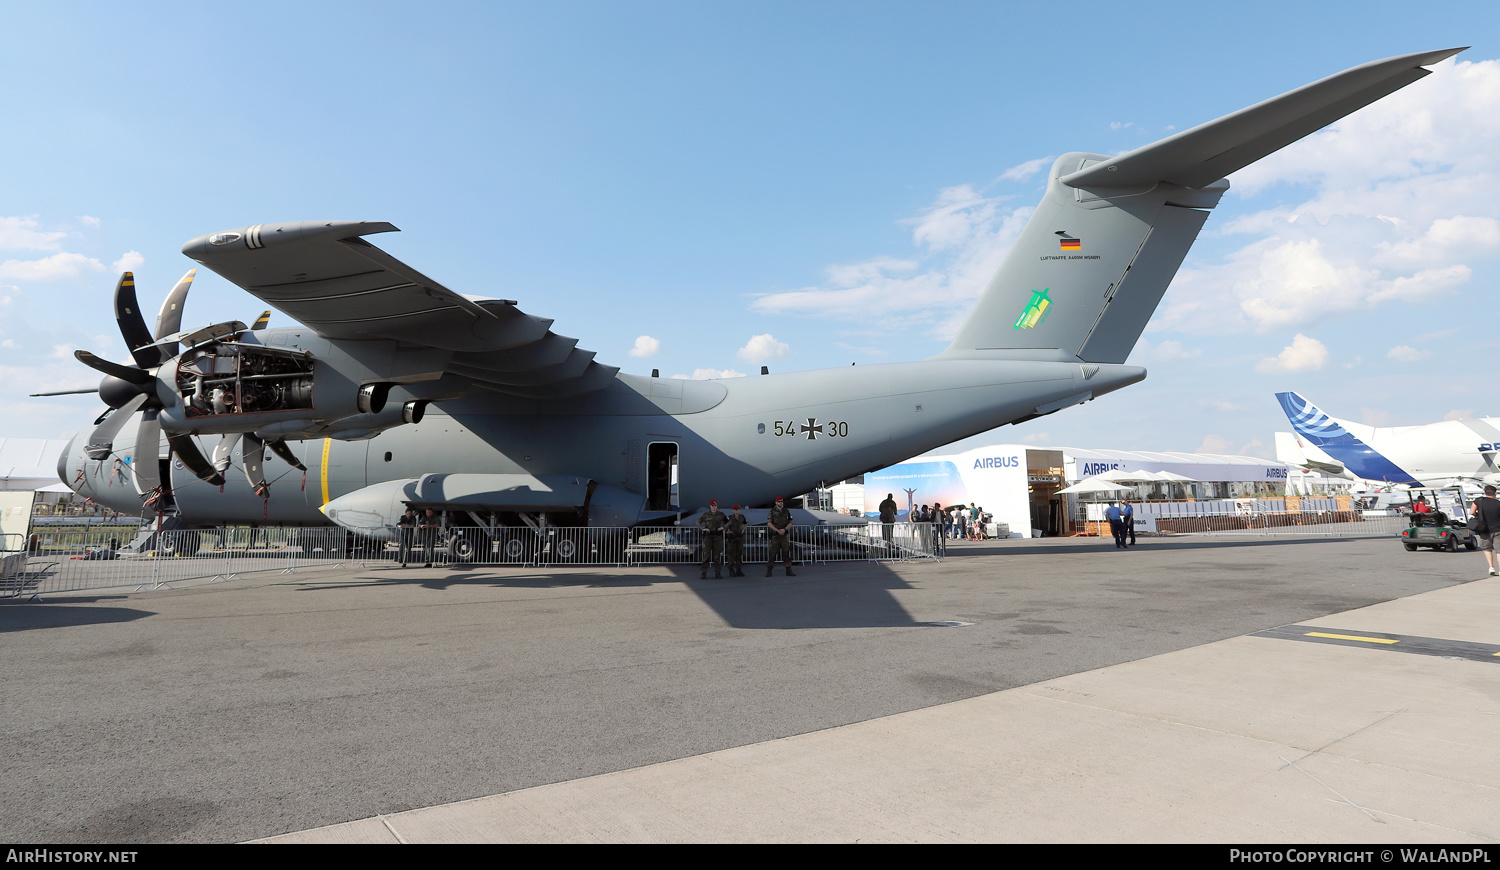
[712, 550]
[779, 545]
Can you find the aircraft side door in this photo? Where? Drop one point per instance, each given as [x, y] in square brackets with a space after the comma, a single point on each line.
[662, 484]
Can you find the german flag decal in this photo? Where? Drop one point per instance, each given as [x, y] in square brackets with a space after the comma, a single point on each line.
[1069, 243]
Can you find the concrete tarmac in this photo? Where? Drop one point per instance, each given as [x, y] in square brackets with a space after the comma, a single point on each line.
[1051, 690]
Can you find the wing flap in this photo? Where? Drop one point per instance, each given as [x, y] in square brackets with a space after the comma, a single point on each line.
[325, 275]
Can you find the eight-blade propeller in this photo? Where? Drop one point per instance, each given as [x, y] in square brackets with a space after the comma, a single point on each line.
[132, 388]
[137, 388]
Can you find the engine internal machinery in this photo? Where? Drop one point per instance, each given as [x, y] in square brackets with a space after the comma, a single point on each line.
[228, 378]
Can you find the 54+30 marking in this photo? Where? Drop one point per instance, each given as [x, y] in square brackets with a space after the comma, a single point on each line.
[812, 428]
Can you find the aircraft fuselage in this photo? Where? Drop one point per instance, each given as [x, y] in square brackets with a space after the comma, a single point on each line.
[744, 440]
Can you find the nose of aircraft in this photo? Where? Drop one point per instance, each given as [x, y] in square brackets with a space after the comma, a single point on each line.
[64, 460]
[71, 462]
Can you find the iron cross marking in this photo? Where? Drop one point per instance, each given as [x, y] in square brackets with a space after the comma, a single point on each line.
[812, 428]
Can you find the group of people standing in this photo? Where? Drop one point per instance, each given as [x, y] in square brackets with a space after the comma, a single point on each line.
[724, 539]
[416, 532]
[954, 522]
[1121, 518]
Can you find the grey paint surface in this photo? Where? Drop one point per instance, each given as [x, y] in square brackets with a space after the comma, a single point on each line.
[229, 712]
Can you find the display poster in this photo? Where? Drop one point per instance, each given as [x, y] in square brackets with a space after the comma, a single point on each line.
[914, 484]
[991, 478]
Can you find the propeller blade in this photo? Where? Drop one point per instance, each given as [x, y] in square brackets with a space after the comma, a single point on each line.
[262, 321]
[224, 451]
[133, 325]
[184, 448]
[145, 457]
[280, 448]
[102, 441]
[254, 459]
[169, 320]
[65, 392]
[124, 373]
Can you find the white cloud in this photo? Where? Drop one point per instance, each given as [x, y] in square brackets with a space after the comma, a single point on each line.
[763, 347]
[62, 265]
[1256, 447]
[961, 239]
[128, 262]
[1445, 239]
[9, 343]
[89, 221]
[1171, 350]
[1303, 354]
[62, 351]
[645, 345]
[1213, 444]
[1407, 354]
[1023, 171]
[1424, 153]
[1037, 438]
[1465, 414]
[710, 375]
[1374, 416]
[21, 234]
[1120, 125]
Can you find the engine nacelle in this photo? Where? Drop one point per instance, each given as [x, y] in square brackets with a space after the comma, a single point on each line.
[227, 387]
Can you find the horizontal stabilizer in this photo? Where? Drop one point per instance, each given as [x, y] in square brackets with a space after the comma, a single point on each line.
[1200, 156]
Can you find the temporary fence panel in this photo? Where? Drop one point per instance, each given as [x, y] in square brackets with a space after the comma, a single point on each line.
[76, 561]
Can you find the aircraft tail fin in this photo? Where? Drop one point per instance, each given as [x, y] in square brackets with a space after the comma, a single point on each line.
[1091, 265]
[1333, 437]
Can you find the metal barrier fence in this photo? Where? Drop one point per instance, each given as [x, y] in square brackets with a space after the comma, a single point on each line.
[71, 562]
[1324, 523]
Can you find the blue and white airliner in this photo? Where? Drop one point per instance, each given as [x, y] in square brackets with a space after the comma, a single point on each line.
[1438, 454]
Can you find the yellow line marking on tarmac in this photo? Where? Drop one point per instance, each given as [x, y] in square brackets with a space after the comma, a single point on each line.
[327, 446]
[1355, 637]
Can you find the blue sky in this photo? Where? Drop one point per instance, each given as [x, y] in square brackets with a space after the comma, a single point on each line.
[798, 185]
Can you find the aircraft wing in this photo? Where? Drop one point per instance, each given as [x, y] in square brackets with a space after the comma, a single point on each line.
[326, 276]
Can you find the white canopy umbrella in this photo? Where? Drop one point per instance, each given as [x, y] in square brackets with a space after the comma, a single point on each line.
[1120, 475]
[1173, 476]
[1095, 484]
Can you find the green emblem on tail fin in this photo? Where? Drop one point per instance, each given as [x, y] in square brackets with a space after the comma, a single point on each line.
[1035, 311]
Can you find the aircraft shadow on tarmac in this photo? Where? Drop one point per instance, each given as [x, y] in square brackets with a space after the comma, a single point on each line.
[28, 617]
[845, 595]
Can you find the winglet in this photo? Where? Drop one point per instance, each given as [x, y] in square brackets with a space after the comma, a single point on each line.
[1200, 156]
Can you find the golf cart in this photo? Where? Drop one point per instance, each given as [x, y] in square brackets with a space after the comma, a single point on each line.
[1441, 528]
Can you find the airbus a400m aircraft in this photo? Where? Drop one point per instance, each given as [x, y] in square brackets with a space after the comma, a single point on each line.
[396, 390]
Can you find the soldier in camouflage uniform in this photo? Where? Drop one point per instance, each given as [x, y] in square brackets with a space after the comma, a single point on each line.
[734, 542]
[712, 522]
[779, 536]
[406, 530]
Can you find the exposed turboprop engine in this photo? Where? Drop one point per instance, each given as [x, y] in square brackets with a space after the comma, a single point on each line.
[132, 388]
[152, 386]
[228, 383]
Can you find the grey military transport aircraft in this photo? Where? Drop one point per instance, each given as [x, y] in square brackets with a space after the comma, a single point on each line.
[396, 390]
